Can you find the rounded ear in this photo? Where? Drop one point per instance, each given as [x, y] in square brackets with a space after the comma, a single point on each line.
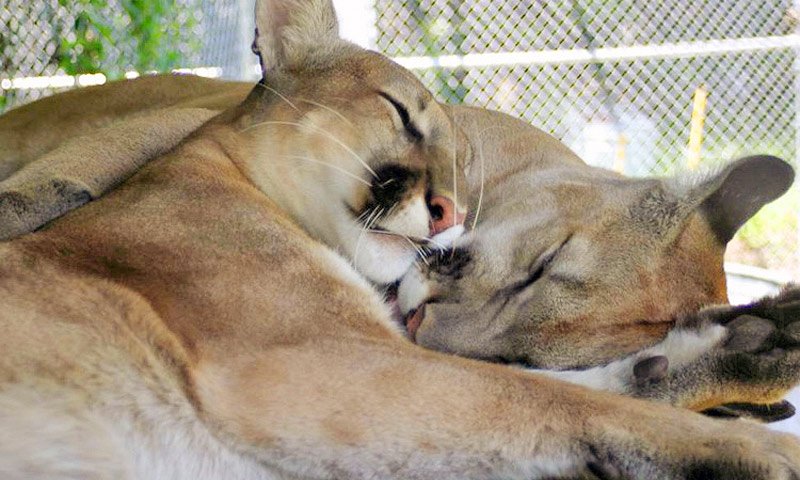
[738, 192]
[288, 30]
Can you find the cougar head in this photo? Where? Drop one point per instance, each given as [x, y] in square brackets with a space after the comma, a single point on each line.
[349, 143]
[570, 266]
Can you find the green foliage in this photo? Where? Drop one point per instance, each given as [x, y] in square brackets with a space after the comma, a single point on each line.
[146, 35]
[772, 223]
[157, 35]
[83, 50]
[436, 32]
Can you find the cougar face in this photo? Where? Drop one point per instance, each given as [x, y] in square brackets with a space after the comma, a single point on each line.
[583, 266]
[355, 149]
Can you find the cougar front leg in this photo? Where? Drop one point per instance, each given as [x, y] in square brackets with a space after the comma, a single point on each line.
[83, 168]
[747, 372]
[727, 361]
[362, 409]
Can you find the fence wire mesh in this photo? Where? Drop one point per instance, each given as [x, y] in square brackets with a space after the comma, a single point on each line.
[44, 38]
[614, 79]
[632, 112]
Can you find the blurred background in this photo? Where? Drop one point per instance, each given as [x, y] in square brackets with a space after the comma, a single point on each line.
[642, 87]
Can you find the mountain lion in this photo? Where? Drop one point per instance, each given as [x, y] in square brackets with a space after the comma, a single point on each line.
[195, 321]
[694, 366]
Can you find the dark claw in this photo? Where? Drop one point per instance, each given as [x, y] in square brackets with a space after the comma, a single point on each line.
[763, 413]
[651, 369]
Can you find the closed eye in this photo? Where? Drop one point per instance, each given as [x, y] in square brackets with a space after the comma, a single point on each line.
[539, 267]
[409, 126]
[538, 270]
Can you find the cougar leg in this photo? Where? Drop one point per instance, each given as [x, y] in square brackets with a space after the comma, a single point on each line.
[379, 410]
[88, 166]
[371, 410]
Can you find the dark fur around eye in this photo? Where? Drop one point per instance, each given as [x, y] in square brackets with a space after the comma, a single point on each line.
[391, 184]
[450, 263]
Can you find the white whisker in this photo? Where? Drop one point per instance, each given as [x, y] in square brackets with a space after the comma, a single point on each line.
[369, 222]
[455, 169]
[362, 216]
[430, 240]
[335, 112]
[419, 239]
[480, 194]
[279, 95]
[327, 164]
[422, 255]
[373, 211]
[375, 219]
[483, 173]
[323, 132]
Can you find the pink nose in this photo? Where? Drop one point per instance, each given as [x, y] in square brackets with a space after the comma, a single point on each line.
[444, 214]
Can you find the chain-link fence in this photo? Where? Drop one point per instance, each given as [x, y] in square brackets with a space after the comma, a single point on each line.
[45, 45]
[617, 80]
[620, 81]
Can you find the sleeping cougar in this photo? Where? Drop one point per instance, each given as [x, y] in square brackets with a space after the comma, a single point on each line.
[699, 365]
[162, 320]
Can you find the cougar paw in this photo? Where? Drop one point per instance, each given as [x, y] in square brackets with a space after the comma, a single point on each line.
[26, 207]
[686, 446]
[762, 347]
[750, 360]
[768, 324]
[761, 356]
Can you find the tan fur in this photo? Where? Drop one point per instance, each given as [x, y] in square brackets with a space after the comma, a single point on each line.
[28, 133]
[510, 155]
[196, 320]
[633, 256]
[632, 283]
[54, 184]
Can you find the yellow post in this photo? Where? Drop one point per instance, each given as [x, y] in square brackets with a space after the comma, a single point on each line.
[696, 129]
[620, 153]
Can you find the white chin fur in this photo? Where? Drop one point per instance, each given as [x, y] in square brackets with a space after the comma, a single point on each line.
[382, 258]
[413, 291]
[446, 238]
[412, 219]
